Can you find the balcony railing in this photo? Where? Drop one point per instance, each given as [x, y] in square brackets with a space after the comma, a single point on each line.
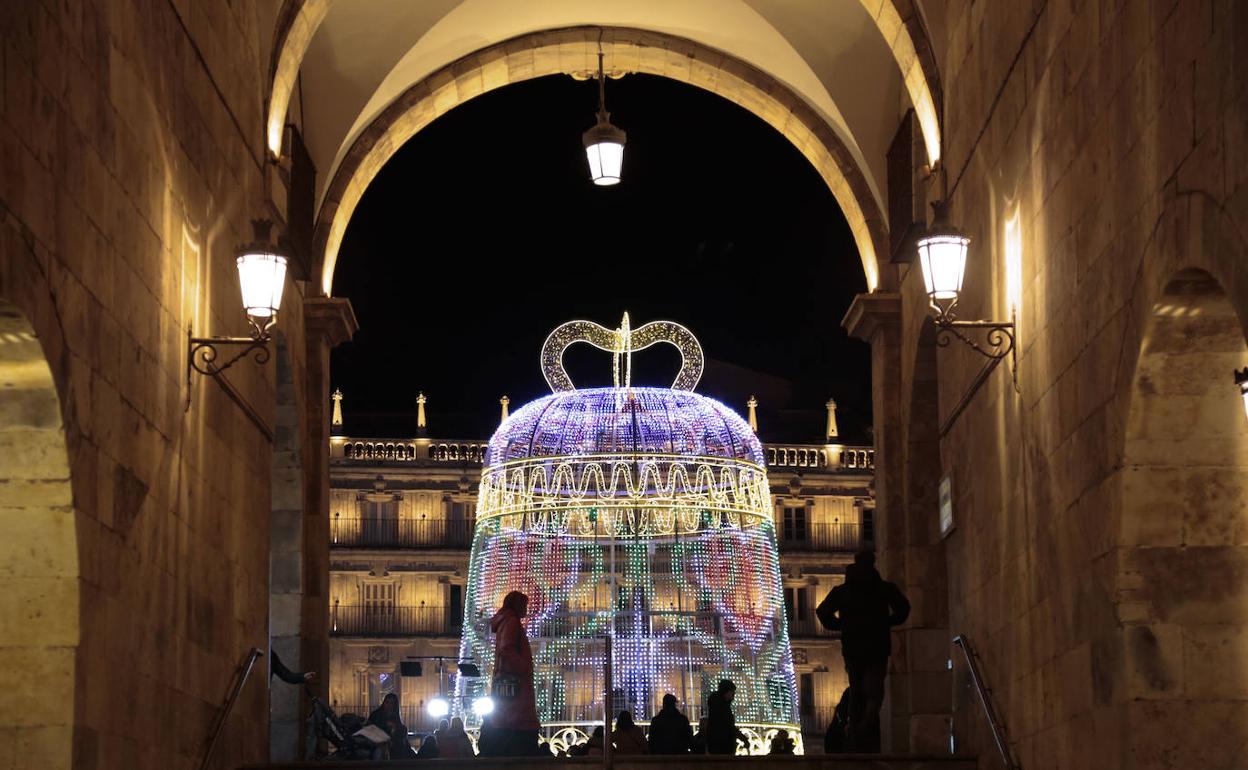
[411, 451]
[351, 532]
[369, 620]
[822, 537]
[414, 716]
[815, 721]
[833, 457]
[809, 628]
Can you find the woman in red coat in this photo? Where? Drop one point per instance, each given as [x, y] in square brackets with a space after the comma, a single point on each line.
[513, 726]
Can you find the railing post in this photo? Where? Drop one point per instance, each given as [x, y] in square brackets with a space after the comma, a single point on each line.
[608, 691]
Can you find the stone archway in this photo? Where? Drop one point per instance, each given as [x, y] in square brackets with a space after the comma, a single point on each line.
[39, 572]
[574, 51]
[899, 22]
[1182, 566]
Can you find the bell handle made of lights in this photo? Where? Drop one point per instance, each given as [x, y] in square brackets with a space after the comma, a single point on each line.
[621, 342]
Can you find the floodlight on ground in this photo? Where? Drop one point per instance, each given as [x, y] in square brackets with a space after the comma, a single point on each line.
[438, 707]
[483, 706]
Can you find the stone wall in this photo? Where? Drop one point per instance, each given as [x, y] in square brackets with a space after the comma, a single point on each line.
[131, 138]
[1108, 139]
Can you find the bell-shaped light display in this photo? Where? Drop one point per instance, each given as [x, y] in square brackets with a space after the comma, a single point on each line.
[604, 147]
[262, 278]
[942, 256]
[1241, 379]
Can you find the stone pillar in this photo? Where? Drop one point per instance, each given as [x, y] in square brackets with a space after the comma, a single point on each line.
[328, 321]
[876, 319]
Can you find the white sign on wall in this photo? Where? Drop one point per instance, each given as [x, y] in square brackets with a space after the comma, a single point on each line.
[946, 505]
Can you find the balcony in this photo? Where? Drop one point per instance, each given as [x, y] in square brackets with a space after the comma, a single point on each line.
[809, 628]
[830, 457]
[823, 537]
[383, 621]
[415, 451]
[353, 532]
[815, 722]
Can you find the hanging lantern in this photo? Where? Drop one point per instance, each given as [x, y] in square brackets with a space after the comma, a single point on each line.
[604, 143]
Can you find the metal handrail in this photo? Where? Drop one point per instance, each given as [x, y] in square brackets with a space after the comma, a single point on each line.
[244, 671]
[994, 723]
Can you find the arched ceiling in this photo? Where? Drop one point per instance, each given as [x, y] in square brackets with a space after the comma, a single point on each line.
[366, 52]
[841, 57]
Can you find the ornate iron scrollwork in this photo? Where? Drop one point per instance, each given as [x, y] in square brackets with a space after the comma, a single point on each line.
[998, 336]
[205, 352]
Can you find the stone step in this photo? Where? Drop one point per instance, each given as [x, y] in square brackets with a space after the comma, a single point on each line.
[704, 762]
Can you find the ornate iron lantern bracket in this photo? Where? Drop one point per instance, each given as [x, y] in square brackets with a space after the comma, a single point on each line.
[998, 342]
[998, 336]
[203, 352]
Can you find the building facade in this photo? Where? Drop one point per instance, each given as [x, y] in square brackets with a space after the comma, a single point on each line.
[402, 515]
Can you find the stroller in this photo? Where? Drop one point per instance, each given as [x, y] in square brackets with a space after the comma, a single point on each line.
[348, 735]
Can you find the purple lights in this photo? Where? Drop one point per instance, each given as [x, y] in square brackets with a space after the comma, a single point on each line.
[618, 421]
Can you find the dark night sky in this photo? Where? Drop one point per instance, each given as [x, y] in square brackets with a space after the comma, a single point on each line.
[484, 232]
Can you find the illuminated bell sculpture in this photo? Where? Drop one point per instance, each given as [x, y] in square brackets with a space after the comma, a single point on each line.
[641, 514]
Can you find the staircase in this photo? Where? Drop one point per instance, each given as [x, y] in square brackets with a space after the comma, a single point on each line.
[824, 762]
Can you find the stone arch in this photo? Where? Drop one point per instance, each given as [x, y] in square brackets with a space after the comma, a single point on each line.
[286, 559]
[899, 22]
[1182, 567]
[297, 22]
[574, 51]
[39, 568]
[1176, 645]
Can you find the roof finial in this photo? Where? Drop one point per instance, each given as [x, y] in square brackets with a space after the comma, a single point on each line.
[504, 401]
[420, 413]
[336, 421]
[832, 431]
[753, 405]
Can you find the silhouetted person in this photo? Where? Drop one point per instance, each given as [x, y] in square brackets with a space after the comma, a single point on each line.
[721, 724]
[513, 725]
[781, 743]
[670, 732]
[628, 737]
[387, 717]
[835, 738]
[591, 748]
[698, 744]
[455, 743]
[428, 748]
[863, 609]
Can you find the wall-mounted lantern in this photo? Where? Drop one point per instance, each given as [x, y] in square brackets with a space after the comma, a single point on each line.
[261, 280]
[942, 257]
[942, 252]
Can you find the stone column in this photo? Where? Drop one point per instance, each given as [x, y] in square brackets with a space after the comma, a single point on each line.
[876, 319]
[328, 321]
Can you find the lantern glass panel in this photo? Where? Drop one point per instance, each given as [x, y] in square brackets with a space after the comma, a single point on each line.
[606, 159]
[262, 278]
[942, 257]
